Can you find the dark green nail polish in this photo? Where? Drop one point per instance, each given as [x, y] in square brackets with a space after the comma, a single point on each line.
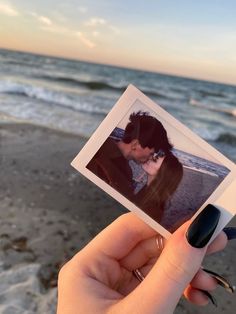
[202, 228]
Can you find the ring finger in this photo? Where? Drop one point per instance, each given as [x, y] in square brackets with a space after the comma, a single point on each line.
[143, 252]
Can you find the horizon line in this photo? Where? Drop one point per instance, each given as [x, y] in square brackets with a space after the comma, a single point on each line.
[121, 66]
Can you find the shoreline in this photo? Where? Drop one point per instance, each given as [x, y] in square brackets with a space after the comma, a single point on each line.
[202, 171]
[11, 121]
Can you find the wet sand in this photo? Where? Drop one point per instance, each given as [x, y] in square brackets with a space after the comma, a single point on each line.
[48, 211]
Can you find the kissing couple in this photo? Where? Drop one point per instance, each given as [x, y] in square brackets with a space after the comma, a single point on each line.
[140, 165]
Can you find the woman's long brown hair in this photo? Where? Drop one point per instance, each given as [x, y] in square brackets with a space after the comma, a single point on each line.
[163, 186]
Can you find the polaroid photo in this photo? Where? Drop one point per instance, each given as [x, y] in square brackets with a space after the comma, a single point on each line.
[155, 166]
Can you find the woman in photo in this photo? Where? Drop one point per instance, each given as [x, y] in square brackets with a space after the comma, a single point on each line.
[164, 173]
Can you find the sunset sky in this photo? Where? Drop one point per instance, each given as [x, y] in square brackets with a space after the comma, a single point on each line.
[183, 37]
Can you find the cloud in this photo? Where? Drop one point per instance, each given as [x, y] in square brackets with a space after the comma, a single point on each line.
[45, 20]
[82, 10]
[114, 29]
[95, 21]
[100, 22]
[85, 40]
[50, 26]
[8, 9]
[55, 29]
[42, 19]
[95, 33]
[32, 14]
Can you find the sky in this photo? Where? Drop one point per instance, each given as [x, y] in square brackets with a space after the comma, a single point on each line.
[182, 37]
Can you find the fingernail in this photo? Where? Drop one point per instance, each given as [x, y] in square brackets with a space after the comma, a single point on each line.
[230, 232]
[221, 280]
[202, 228]
[210, 297]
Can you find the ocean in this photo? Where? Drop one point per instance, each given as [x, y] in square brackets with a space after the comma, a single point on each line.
[75, 96]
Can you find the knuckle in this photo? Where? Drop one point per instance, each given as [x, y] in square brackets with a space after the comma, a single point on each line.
[176, 271]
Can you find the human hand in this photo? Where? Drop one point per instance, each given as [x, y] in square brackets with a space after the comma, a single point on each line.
[99, 279]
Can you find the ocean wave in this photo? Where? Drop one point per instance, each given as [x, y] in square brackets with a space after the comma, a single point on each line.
[13, 62]
[97, 85]
[73, 81]
[228, 111]
[205, 93]
[70, 101]
[226, 138]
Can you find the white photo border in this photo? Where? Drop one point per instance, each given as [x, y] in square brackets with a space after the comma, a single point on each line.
[117, 113]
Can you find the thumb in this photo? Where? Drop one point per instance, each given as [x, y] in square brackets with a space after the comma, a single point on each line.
[179, 262]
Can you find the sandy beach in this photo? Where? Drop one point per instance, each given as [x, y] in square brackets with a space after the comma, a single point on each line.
[48, 212]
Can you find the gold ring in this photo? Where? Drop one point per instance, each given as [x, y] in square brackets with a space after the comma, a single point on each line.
[137, 273]
[160, 242]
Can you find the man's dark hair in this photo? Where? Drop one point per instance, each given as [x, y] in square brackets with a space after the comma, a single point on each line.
[148, 131]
